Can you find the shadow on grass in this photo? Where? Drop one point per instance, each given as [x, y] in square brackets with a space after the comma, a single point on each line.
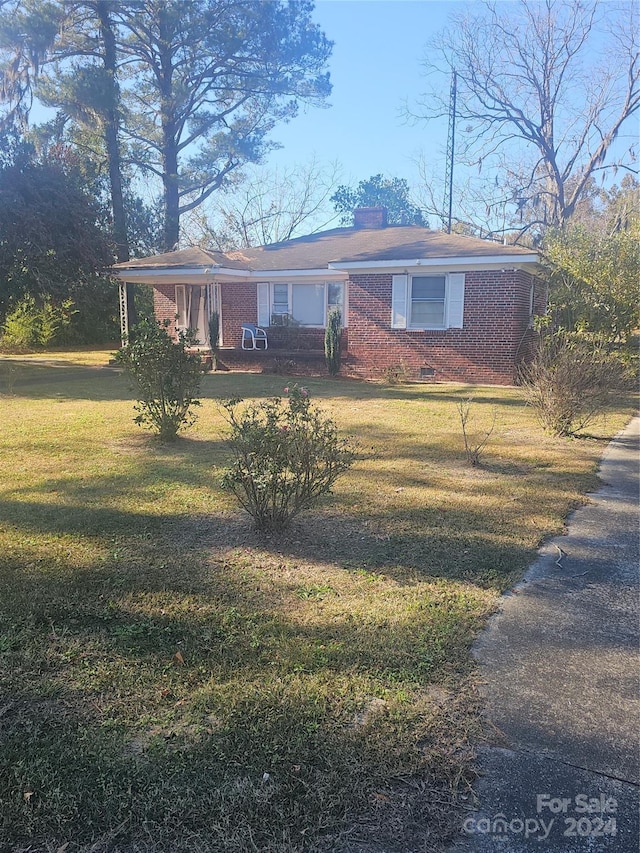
[451, 541]
[69, 775]
[107, 738]
[40, 381]
[261, 385]
[110, 738]
[188, 462]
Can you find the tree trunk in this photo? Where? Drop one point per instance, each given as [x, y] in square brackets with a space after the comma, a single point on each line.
[169, 134]
[112, 144]
[171, 194]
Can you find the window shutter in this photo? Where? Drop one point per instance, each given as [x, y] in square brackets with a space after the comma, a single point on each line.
[455, 300]
[263, 304]
[399, 301]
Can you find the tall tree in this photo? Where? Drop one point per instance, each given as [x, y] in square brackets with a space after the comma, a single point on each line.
[52, 246]
[378, 191]
[80, 80]
[185, 92]
[531, 100]
[25, 40]
[209, 80]
[67, 53]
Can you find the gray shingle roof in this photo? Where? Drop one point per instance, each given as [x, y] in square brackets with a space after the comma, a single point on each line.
[192, 257]
[340, 245]
[401, 242]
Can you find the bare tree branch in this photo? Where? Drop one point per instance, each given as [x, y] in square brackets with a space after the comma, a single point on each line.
[526, 74]
[269, 206]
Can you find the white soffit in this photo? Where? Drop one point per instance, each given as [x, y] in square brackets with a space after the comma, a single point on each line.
[191, 275]
[335, 271]
[469, 263]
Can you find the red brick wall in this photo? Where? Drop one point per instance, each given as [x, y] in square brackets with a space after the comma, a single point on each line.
[488, 348]
[494, 341]
[238, 305]
[164, 304]
[540, 299]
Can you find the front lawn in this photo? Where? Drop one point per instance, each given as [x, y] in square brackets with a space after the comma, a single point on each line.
[171, 681]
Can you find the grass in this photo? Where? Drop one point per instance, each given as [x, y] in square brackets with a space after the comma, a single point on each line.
[82, 356]
[171, 681]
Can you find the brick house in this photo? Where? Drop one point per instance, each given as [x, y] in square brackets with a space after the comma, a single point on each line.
[443, 306]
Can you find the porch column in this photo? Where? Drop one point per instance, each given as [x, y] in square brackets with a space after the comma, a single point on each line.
[124, 312]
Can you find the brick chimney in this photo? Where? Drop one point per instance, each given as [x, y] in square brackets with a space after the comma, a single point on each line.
[370, 217]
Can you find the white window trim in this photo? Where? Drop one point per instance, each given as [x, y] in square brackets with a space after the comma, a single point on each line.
[181, 297]
[401, 302]
[444, 300]
[325, 284]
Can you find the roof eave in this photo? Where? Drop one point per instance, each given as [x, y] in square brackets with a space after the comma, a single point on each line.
[468, 261]
[166, 274]
[318, 272]
[193, 275]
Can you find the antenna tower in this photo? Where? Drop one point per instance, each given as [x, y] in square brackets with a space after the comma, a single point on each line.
[447, 207]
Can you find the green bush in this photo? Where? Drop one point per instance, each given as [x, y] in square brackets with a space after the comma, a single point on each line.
[33, 324]
[286, 456]
[570, 381]
[333, 341]
[166, 377]
[214, 338]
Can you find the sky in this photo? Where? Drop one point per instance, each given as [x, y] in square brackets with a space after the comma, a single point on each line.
[375, 68]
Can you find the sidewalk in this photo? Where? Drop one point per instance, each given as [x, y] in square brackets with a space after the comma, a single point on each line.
[560, 671]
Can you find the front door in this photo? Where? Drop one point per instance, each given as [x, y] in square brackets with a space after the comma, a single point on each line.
[195, 304]
[199, 313]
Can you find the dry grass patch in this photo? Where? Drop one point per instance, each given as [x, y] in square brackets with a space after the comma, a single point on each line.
[170, 680]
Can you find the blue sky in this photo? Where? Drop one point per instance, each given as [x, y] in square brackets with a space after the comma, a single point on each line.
[376, 65]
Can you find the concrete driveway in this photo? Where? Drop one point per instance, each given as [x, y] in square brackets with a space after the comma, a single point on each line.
[560, 671]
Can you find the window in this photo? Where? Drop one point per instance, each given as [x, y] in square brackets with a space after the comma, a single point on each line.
[335, 294]
[302, 304]
[427, 301]
[307, 304]
[280, 306]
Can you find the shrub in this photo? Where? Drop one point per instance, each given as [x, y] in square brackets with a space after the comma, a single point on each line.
[287, 333]
[286, 456]
[33, 324]
[166, 377]
[281, 366]
[214, 338]
[473, 445]
[570, 381]
[396, 374]
[333, 341]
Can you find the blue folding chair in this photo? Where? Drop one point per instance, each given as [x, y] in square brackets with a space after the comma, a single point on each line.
[253, 337]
